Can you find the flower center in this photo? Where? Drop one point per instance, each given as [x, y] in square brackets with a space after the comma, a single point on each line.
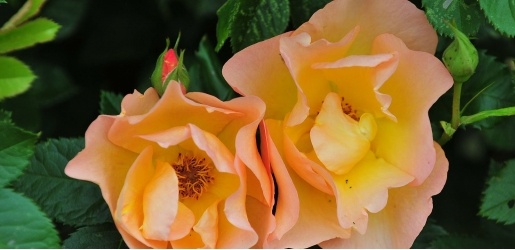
[348, 110]
[194, 175]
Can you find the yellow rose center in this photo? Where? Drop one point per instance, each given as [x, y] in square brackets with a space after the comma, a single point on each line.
[194, 175]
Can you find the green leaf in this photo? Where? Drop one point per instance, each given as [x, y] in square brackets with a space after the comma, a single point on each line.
[28, 10]
[15, 77]
[430, 232]
[501, 15]
[499, 197]
[486, 114]
[110, 103]
[23, 224]
[226, 15]
[31, 33]
[104, 236]
[3, 1]
[69, 201]
[489, 88]
[501, 135]
[302, 10]
[466, 17]
[16, 148]
[249, 21]
[455, 241]
[207, 73]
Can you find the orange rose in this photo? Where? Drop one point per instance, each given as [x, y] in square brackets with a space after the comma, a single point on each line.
[180, 171]
[346, 128]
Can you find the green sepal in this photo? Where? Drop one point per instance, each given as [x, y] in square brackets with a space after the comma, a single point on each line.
[179, 74]
[155, 78]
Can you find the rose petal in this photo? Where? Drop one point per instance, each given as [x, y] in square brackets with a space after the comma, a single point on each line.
[129, 211]
[374, 17]
[101, 161]
[337, 134]
[404, 216]
[262, 57]
[207, 226]
[420, 79]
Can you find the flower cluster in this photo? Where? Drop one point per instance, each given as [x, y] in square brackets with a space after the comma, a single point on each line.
[346, 155]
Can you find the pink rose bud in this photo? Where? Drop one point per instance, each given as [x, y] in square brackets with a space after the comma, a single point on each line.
[170, 62]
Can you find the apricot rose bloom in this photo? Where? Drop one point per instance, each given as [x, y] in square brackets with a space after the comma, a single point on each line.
[346, 129]
[180, 171]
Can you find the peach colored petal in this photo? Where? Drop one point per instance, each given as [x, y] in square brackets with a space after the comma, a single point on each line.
[337, 134]
[317, 220]
[173, 109]
[420, 79]
[244, 129]
[299, 55]
[236, 214]
[309, 168]
[129, 210]
[287, 208]
[183, 221]
[169, 137]
[260, 218]
[207, 226]
[404, 216]
[222, 158]
[137, 104]
[161, 207]
[231, 233]
[268, 78]
[101, 161]
[366, 187]
[374, 17]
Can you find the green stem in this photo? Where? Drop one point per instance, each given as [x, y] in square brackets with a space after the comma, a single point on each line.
[455, 119]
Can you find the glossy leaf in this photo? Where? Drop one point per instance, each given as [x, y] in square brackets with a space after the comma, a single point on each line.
[23, 224]
[67, 200]
[488, 89]
[466, 17]
[110, 103]
[16, 149]
[15, 77]
[104, 236]
[302, 10]
[501, 15]
[28, 10]
[248, 21]
[499, 197]
[206, 74]
[31, 33]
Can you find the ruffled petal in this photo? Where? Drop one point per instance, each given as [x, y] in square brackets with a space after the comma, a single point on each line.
[129, 211]
[374, 17]
[400, 222]
[262, 58]
[420, 79]
[173, 109]
[207, 226]
[101, 161]
[339, 141]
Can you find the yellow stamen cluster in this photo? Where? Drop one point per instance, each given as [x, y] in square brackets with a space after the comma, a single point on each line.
[194, 175]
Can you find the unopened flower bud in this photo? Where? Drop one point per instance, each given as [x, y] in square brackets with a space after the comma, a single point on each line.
[460, 57]
[169, 67]
[169, 63]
